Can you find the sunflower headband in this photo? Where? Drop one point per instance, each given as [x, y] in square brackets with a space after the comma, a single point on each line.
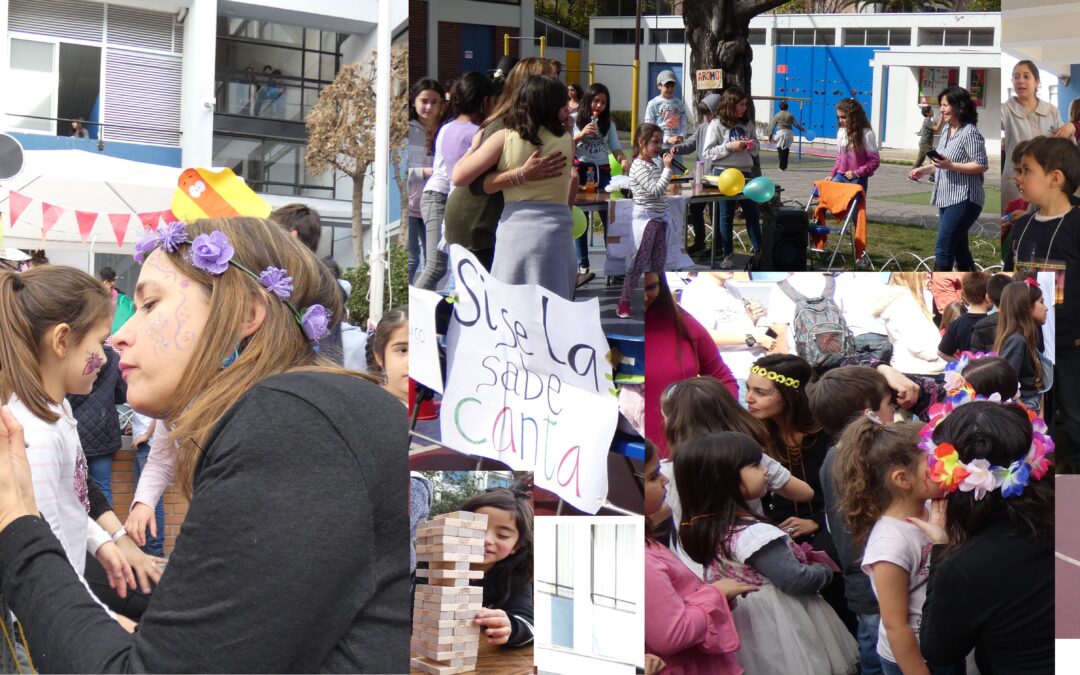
[213, 253]
[978, 475]
[775, 376]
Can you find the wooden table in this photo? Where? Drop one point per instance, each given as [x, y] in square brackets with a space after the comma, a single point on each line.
[493, 660]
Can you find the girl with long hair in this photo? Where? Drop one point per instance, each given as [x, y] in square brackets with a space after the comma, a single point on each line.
[857, 154]
[1022, 313]
[426, 99]
[731, 143]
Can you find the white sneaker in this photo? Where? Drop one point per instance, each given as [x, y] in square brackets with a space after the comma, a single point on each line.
[727, 262]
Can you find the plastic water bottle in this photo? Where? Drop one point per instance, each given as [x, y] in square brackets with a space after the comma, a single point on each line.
[590, 180]
[699, 172]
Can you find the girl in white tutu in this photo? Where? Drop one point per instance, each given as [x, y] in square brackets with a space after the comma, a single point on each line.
[785, 627]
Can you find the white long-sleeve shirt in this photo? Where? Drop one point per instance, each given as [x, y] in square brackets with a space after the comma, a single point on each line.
[159, 470]
[649, 183]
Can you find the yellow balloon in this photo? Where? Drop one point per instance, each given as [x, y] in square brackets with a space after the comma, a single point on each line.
[731, 182]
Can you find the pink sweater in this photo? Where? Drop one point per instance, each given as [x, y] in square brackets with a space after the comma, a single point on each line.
[688, 623]
[864, 163]
[670, 359]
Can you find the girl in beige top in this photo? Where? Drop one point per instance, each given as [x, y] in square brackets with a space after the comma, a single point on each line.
[1024, 117]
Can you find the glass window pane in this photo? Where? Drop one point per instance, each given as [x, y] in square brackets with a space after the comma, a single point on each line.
[956, 38]
[757, 36]
[899, 37]
[326, 73]
[982, 37]
[877, 36]
[329, 41]
[311, 38]
[32, 68]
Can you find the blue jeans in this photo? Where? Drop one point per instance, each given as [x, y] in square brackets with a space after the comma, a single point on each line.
[890, 668]
[866, 636]
[154, 545]
[417, 248]
[582, 242]
[100, 468]
[751, 212]
[864, 181]
[952, 237]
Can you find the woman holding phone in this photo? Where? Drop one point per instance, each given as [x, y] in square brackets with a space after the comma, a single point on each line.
[958, 165]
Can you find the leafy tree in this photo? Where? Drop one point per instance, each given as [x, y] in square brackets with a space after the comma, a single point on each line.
[453, 488]
[396, 285]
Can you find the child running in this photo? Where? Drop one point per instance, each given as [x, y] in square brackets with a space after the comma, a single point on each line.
[507, 617]
[1019, 339]
[881, 475]
[648, 183]
[785, 627]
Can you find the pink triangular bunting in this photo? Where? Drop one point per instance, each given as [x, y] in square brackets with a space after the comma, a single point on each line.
[86, 220]
[150, 219]
[119, 222]
[50, 213]
[18, 205]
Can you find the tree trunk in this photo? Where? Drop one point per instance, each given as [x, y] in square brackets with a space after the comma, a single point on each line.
[358, 215]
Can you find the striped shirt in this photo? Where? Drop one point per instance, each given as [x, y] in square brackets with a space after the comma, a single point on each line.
[649, 183]
[964, 145]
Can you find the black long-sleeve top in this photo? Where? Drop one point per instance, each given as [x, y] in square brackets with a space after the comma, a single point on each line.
[293, 556]
[519, 607]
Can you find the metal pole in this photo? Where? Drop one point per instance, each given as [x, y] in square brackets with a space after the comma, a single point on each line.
[637, 65]
[381, 196]
[506, 44]
[543, 43]
[592, 71]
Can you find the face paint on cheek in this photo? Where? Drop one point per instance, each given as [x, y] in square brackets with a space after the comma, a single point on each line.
[181, 339]
[155, 332]
[94, 361]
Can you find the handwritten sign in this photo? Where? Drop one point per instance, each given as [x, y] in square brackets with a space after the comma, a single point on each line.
[528, 383]
[709, 79]
[423, 342]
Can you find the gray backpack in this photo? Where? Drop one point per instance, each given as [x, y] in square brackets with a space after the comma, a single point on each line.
[819, 326]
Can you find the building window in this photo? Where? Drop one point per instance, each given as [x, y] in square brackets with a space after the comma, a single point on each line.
[613, 36]
[613, 547]
[667, 36]
[271, 166]
[627, 8]
[805, 36]
[876, 37]
[555, 571]
[956, 37]
[57, 82]
[757, 36]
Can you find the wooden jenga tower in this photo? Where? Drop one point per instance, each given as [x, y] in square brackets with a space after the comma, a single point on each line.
[443, 630]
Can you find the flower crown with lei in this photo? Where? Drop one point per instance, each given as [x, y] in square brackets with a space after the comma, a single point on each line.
[213, 253]
[978, 475]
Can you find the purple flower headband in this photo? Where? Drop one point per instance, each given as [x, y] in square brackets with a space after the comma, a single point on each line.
[214, 253]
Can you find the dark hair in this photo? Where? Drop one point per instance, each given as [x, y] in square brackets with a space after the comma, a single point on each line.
[703, 405]
[376, 345]
[974, 287]
[603, 122]
[277, 71]
[1014, 316]
[867, 453]
[857, 124]
[107, 274]
[960, 100]
[796, 416]
[953, 311]
[1000, 434]
[513, 79]
[726, 110]
[302, 218]
[783, 105]
[418, 87]
[707, 471]
[844, 393]
[1030, 65]
[995, 285]
[1057, 154]
[468, 94]
[38, 258]
[34, 302]
[927, 112]
[1019, 150]
[515, 571]
[536, 106]
[643, 134]
[992, 375]
[576, 88]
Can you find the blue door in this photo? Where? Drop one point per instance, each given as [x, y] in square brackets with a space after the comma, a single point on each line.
[825, 75]
[655, 69]
[477, 48]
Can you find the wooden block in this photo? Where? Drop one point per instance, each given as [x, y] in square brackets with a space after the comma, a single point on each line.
[440, 556]
[455, 642]
[449, 565]
[448, 582]
[437, 615]
[442, 655]
[428, 622]
[451, 590]
[427, 665]
[450, 574]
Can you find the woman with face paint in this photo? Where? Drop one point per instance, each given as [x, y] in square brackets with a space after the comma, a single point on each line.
[280, 453]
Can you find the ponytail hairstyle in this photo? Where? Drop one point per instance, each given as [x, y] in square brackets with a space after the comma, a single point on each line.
[419, 87]
[868, 453]
[515, 571]
[468, 94]
[1000, 434]
[703, 405]
[707, 472]
[642, 136]
[857, 124]
[32, 304]
[992, 375]
[1017, 300]
[376, 346]
[584, 116]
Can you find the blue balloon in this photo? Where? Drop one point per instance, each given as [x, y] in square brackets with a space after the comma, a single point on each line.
[760, 190]
[809, 135]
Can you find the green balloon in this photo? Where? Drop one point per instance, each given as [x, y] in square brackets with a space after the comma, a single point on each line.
[616, 166]
[760, 189]
[581, 223]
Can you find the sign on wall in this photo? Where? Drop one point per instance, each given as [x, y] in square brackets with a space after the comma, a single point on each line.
[932, 81]
[977, 86]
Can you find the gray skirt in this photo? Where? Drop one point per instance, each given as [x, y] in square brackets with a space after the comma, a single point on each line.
[534, 245]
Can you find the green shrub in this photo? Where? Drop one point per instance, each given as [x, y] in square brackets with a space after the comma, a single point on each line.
[396, 287]
[621, 118]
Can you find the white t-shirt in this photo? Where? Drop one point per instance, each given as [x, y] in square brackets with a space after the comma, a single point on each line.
[898, 542]
[721, 308]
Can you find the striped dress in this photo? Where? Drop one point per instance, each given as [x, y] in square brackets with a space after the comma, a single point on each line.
[961, 146]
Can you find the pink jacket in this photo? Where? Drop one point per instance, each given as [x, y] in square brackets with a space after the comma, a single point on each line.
[688, 623]
[863, 163]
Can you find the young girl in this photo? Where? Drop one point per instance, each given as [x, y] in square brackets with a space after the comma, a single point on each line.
[649, 184]
[574, 94]
[881, 474]
[388, 353]
[507, 617]
[731, 143]
[1019, 339]
[534, 244]
[595, 136]
[991, 529]
[52, 330]
[785, 627]
[222, 349]
[989, 375]
[470, 100]
[857, 156]
[426, 98]
[688, 623]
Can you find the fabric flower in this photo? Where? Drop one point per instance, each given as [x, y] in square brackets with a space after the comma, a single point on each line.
[277, 281]
[212, 252]
[315, 322]
[172, 236]
[1036, 458]
[947, 469]
[145, 246]
[1017, 478]
[980, 478]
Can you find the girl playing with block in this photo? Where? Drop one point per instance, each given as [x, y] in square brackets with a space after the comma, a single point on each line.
[508, 566]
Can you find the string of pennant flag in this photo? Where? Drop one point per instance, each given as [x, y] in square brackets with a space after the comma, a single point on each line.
[86, 220]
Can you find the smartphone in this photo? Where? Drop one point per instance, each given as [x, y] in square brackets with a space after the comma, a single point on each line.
[934, 154]
[771, 333]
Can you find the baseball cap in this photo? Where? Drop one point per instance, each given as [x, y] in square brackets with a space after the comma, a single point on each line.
[713, 101]
[666, 76]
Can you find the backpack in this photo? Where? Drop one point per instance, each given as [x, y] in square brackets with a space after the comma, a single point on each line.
[819, 326]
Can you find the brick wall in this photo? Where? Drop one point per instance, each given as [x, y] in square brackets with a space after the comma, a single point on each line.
[449, 46]
[123, 489]
[418, 62]
[515, 45]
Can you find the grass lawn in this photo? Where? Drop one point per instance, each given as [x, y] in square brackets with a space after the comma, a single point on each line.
[992, 205]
